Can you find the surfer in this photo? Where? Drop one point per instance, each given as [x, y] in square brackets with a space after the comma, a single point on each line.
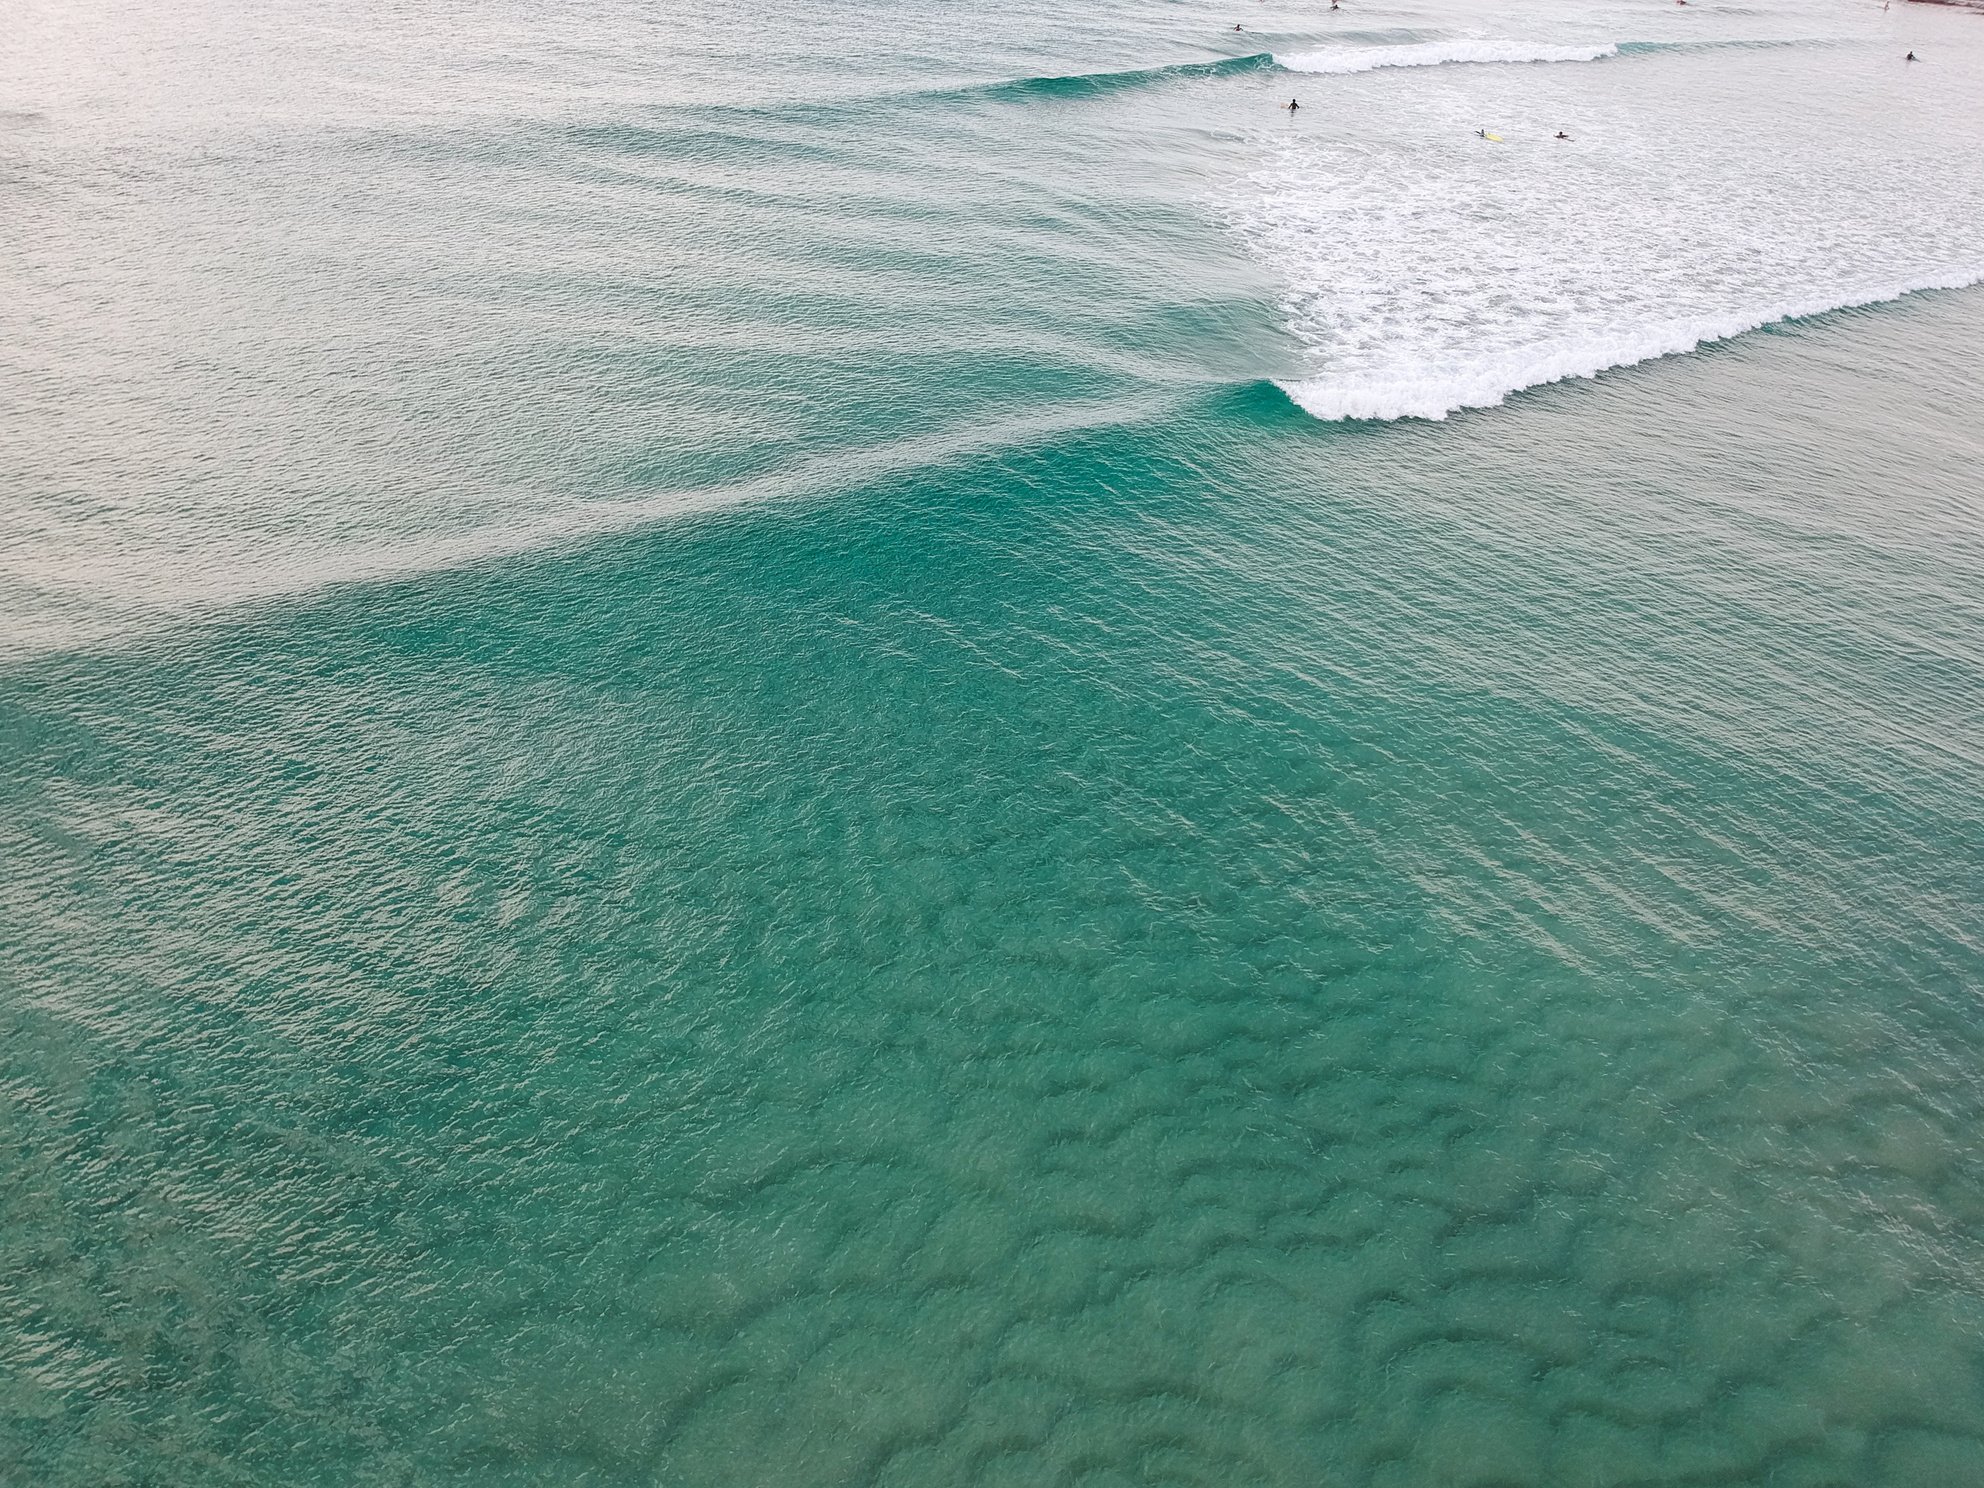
[1238, 27]
[1291, 105]
[1911, 57]
[1561, 135]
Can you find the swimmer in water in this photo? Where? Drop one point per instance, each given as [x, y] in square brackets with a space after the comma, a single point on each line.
[1291, 105]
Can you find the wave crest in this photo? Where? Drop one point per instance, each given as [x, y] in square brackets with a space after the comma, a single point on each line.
[1441, 390]
[1074, 85]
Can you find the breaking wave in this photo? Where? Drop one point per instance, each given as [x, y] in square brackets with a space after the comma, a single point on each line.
[1439, 390]
[1621, 215]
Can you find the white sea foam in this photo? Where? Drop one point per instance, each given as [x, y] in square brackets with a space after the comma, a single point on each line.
[1700, 195]
[1443, 389]
[1436, 53]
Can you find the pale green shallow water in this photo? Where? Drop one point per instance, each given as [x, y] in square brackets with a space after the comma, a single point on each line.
[1072, 924]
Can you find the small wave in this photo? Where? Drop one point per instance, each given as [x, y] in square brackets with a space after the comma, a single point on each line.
[1023, 89]
[1438, 53]
[1753, 44]
[127, 597]
[1439, 391]
[1083, 83]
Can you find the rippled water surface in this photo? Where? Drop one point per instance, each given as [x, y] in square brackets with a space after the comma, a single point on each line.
[717, 766]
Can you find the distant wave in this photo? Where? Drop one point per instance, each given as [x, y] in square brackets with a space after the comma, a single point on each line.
[1439, 391]
[1083, 83]
[1341, 60]
[1366, 58]
[1369, 57]
[1753, 44]
[1045, 87]
[1437, 53]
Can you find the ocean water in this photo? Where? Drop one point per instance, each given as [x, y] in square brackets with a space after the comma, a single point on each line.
[863, 743]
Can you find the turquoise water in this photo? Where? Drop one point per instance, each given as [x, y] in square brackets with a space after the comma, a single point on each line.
[716, 770]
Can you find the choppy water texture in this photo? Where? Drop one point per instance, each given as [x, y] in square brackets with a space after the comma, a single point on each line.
[722, 767]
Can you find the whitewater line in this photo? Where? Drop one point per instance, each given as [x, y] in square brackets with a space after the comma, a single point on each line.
[1436, 392]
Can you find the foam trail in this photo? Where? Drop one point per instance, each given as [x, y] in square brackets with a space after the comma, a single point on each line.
[1437, 53]
[1441, 390]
